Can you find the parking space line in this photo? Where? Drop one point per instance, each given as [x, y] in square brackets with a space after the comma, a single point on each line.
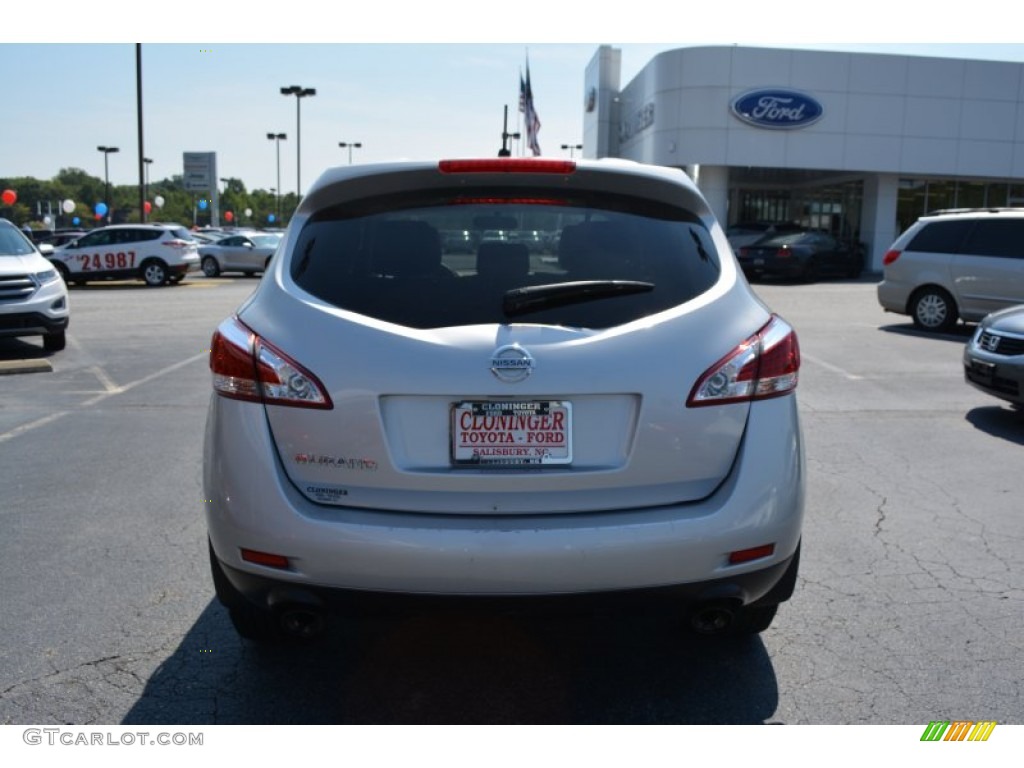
[32, 425]
[144, 379]
[105, 380]
[10, 434]
[830, 367]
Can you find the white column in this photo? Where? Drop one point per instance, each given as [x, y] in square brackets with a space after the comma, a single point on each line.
[713, 182]
[878, 217]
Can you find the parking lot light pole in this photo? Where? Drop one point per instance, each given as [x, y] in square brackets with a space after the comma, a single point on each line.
[299, 93]
[571, 147]
[106, 175]
[350, 144]
[145, 192]
[276, 138]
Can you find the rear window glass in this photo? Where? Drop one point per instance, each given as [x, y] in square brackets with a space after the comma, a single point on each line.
[440, 260]
[941, 236]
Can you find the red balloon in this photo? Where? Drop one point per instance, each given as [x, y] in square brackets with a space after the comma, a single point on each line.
[10, 197]
[147, 206]
[229, 216]
[98, 216]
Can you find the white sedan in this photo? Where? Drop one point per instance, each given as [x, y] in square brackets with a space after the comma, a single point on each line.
[249, 253]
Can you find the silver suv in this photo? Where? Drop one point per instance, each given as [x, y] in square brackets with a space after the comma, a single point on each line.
[33, 298]
[391, 416]
[955, 265]
[156, 253]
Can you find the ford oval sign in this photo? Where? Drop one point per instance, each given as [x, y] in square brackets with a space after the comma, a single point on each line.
[777, 108]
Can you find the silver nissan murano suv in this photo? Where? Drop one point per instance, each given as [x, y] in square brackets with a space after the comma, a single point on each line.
[609, 411]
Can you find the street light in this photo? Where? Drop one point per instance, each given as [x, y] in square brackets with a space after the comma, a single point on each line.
[276, 138]
[226, 183]
[349, 144]
[298, 92]
[505, 136]
[145, 192]
[571, 147]
[106, 174]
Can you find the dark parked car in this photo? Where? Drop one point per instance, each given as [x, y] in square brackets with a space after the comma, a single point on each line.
[994, 357]
[801, 255]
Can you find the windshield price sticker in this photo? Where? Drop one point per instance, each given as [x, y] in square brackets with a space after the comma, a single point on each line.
[513, 434]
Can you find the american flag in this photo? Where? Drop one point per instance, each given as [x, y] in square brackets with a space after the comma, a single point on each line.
[528, 110]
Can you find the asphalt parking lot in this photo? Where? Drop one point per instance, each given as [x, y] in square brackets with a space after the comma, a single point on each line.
[908, 608]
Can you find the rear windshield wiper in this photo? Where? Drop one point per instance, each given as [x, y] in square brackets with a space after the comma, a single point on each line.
[535, 298]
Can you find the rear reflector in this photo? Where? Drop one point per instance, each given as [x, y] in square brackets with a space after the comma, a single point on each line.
[890, 257]
[265, 558]
[754, 553]
[765, 365]
[507, 165]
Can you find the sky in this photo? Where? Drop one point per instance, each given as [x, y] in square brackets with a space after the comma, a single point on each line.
[417, 81]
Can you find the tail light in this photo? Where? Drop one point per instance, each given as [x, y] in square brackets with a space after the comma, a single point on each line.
[744, 252]
[246, 367]
[890, 257]
[765, 365]
[783, 252]
[178, 243]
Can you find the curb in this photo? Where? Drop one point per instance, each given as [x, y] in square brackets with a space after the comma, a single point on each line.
[24, 366]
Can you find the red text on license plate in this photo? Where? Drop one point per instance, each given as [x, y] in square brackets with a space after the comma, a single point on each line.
[512, 433]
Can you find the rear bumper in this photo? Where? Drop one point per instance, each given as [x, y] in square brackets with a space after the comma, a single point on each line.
[337, 548]
[791, 268]
[893, 297]
[188, 264]
[768, 586]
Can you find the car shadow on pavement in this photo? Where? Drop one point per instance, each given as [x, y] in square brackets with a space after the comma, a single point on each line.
[960, 334]
[457, 666]
[25, 348]
[998, 421]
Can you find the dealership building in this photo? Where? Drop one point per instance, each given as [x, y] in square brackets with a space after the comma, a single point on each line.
[857, 144]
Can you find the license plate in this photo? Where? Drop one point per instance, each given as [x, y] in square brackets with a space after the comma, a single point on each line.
[758, 262]
[510, 433]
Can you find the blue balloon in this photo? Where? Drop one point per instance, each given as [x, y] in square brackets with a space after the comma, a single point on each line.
[202, 205]
[101, 209]
[270, 218]
[76, 221]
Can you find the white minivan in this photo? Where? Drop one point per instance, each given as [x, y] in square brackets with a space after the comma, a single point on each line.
[954, 265]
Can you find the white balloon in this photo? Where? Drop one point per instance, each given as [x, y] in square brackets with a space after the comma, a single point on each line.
[68, 206]
[248, 211]
[159, 200]
[47, 220]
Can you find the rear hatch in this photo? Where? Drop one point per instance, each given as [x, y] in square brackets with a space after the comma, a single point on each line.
[508, 380]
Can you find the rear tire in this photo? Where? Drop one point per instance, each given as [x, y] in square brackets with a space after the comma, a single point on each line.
[154, 272]
[933, 309]
[210, 266]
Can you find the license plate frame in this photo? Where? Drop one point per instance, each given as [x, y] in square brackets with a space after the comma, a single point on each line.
[515, 434]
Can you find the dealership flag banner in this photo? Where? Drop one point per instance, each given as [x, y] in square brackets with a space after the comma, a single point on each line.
[528, 110]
